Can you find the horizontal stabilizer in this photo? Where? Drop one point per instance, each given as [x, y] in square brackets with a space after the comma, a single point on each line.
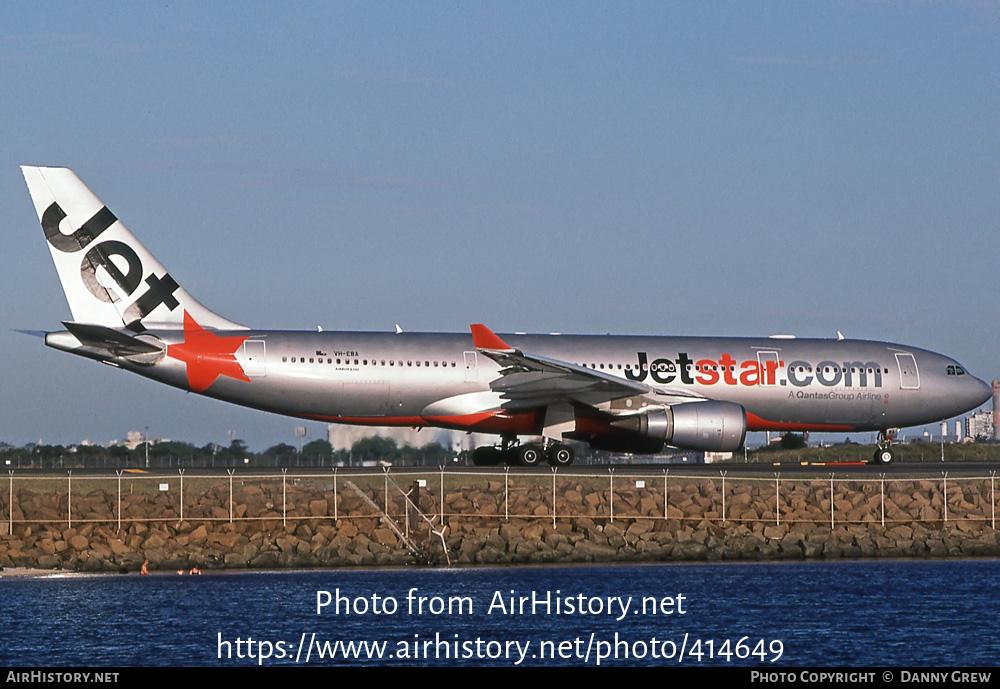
[122, 344]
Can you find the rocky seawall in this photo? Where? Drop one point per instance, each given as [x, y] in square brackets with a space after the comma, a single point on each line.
[307, 522]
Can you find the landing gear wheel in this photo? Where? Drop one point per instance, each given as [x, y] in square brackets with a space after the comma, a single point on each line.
[561, 455]
[530, 455]
[884, 456]
[486, 457]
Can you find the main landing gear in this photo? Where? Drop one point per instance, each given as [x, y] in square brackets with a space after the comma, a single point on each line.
[527, 454]
[884, 454]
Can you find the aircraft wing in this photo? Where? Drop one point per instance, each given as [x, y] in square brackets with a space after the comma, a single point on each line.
[529, 381]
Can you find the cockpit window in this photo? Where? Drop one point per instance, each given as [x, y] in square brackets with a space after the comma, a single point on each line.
[955, 371]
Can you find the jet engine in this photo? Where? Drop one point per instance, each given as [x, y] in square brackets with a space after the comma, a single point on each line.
[709, 426]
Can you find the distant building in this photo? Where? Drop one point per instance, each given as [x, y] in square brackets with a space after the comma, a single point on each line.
[134, 439]
[979, 425]
[343, 437]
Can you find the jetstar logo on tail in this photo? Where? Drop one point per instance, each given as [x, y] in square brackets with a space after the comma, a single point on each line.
[160, 290]
[207, 355]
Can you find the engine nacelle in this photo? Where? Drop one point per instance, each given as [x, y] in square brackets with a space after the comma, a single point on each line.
[708, 426]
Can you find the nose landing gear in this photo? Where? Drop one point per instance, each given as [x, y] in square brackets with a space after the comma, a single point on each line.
[884, 454]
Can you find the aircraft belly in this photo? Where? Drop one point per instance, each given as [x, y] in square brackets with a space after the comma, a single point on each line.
[841, 409]
[362, 399]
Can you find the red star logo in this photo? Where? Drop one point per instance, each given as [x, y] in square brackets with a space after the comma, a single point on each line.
[207, 355]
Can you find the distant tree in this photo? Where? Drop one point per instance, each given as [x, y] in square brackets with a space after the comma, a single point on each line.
[317, 448]
[279, 450]
[432, 454]
[792, 441]
[374, 449]
[235, 453]
[173, 448]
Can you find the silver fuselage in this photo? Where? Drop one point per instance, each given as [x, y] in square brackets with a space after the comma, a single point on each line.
[436, 379]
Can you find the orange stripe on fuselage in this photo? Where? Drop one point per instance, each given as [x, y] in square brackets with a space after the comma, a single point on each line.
[487, 422]
[528, 422]
[756, 423]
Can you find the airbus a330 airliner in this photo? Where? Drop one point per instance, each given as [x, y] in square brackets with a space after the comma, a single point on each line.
[620, 393]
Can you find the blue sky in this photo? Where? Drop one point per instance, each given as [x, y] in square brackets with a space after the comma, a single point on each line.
[653, 168]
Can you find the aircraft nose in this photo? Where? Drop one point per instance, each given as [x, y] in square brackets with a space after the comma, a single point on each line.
[978, 392]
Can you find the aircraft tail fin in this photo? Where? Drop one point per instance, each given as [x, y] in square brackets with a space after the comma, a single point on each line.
[109, 278]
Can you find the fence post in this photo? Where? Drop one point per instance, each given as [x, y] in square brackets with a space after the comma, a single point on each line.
[882, 486]
[993, 504]
[69, 500]
[944, 490]
[506, 494]
[119, 472]
[554, 470]
[723, 496]
[385, 490]
[10, 505]
[230, 494]
[831, 500]
[284, 473]
[777, 500]
[665, 493]
[181, 472]
[441, 497]
[335, 494]
[611, 491]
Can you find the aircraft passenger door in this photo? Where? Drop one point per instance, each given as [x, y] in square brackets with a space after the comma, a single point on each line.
[767, 363]
[909, 376]
[471, 367]
[253, 358]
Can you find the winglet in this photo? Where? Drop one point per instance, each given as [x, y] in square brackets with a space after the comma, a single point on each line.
[484, 338]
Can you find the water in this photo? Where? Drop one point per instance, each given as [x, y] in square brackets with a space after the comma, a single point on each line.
[901, 613]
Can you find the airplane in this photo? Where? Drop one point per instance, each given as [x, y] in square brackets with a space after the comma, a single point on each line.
[537, 393]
